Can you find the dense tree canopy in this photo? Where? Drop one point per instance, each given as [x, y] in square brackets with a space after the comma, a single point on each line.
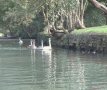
[28, 18]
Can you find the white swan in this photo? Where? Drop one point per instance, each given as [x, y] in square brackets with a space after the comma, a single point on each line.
[42, 47]
[48, 47]
[33, 44]
[20, 41]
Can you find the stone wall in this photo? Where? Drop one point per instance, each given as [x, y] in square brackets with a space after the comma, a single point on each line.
[85, 43]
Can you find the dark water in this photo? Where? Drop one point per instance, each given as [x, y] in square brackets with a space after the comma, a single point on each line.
[59, 69]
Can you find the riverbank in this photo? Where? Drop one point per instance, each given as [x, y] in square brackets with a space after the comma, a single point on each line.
[92, 39]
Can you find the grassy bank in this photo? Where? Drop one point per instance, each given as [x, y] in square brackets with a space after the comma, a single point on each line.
[87, 40]
[100, 30]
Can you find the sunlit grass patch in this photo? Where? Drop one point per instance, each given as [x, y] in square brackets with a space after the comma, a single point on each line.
[100, 30]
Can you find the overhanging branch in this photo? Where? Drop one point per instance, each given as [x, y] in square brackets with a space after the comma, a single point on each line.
[99, 5]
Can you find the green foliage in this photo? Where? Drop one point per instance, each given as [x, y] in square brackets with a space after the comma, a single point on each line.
[94, 17]
[25, 17]
[20, 14]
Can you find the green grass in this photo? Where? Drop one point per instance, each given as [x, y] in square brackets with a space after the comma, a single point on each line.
[100, 30]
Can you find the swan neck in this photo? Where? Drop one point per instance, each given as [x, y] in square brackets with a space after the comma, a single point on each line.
[49, 42]
[31, 42]
[42, 43]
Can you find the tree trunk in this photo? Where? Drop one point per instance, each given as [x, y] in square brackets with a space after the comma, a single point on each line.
[80, 24]
[79, 14]
[99, 5]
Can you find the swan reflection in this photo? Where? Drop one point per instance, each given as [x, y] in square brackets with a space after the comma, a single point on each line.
[53, 71]
[42, 72]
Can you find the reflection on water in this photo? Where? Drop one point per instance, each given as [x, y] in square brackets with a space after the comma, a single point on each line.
[27, 69]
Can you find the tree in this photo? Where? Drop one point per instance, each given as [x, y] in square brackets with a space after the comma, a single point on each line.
[21, 14]
[35, 16]
[99, 5]
[70, 12]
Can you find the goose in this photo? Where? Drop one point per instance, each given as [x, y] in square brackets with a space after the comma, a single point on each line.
[20, 42]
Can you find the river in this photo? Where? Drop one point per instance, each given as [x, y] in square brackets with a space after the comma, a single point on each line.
[24, 69]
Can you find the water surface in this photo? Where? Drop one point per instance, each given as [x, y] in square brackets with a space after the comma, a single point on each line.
[24, 69]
